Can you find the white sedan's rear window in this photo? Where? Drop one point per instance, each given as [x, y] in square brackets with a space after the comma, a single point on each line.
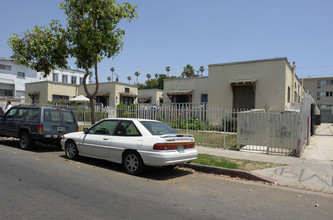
[158, 128]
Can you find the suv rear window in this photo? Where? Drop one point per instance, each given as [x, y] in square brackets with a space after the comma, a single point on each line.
[52, 115]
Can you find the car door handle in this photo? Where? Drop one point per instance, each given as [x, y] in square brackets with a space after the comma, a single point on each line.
[105, 139]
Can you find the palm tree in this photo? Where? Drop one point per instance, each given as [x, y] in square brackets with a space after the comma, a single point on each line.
[148, 76]
[129, 78]
[109, 78]
[112, 70]
[156, 75]
[188, 71]
[202, 69]
[137, 74]
[167, 69]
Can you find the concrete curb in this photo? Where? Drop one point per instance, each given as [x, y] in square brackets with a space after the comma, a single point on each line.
[229, 172]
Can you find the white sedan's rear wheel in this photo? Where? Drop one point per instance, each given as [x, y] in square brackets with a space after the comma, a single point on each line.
[133, 163]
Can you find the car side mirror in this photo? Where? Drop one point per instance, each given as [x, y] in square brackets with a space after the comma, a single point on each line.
[86, 130]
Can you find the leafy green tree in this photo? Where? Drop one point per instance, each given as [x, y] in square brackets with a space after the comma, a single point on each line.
[129, 78]
[109, 78]
[90, 35]
[148, 76]
[137, 74]
[188, 71]
[112, 71]
[167, 69]
[202, 69]
[160, 81]
[156, 75]
[152, 84]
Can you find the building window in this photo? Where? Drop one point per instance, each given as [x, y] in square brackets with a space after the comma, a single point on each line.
[325, 82]
[81, 80]
[295, 97]
[127, 90]
[5, 67]
[60, 97]
[55, 77]
[64, 78]
[288, 93]
[126, 100]
[204, 98]
[5, 92]
[321, 94]
[21, 74]
[73, 80]
[298, 88]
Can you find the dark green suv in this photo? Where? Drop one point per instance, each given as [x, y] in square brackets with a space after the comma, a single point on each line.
[37, 123]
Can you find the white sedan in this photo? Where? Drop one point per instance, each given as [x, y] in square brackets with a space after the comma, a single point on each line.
[135, 143]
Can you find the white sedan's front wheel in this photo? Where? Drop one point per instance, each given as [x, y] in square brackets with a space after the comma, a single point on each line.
[71, 150]
[133, 163]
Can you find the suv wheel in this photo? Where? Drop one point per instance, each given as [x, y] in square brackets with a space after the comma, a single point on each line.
[25, 141]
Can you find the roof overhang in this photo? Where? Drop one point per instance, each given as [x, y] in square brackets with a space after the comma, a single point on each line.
[143, 99]
[132, 95]
[243, 82]
[32, 94]
[103, 94]
[180, 92]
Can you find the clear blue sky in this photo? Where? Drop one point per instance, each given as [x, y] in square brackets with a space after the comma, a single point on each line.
[201, 32]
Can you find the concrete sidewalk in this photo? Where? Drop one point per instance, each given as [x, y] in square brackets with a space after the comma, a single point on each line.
[314, 170]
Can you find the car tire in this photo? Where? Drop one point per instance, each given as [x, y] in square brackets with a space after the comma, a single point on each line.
[71, 150]
[26, 141]
[132, 163]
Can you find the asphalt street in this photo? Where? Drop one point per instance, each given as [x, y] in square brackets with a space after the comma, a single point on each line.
[42, 184]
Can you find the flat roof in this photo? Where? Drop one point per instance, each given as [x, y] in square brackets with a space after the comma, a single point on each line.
[316, 78]
[250, 61]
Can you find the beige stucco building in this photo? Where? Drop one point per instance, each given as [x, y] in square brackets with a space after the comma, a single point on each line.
[270, 84]
[150, 96]
[186, 90]
[109, 94]
[321, 89]
[113, 93]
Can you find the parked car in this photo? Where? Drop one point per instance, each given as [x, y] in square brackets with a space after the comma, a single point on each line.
[37, 123]
[135, 143]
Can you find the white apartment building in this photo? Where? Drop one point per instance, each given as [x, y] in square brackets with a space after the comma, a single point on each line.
[13, 78]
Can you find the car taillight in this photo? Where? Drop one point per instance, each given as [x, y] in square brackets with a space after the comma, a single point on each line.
[172, 146]
[77, 128]
[40, 127]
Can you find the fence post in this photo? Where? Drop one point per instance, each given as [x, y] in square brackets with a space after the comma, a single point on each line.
[269, 132]
[298, 152]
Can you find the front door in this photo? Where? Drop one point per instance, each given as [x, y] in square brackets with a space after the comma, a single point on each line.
[97, 141]
[243, 97]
